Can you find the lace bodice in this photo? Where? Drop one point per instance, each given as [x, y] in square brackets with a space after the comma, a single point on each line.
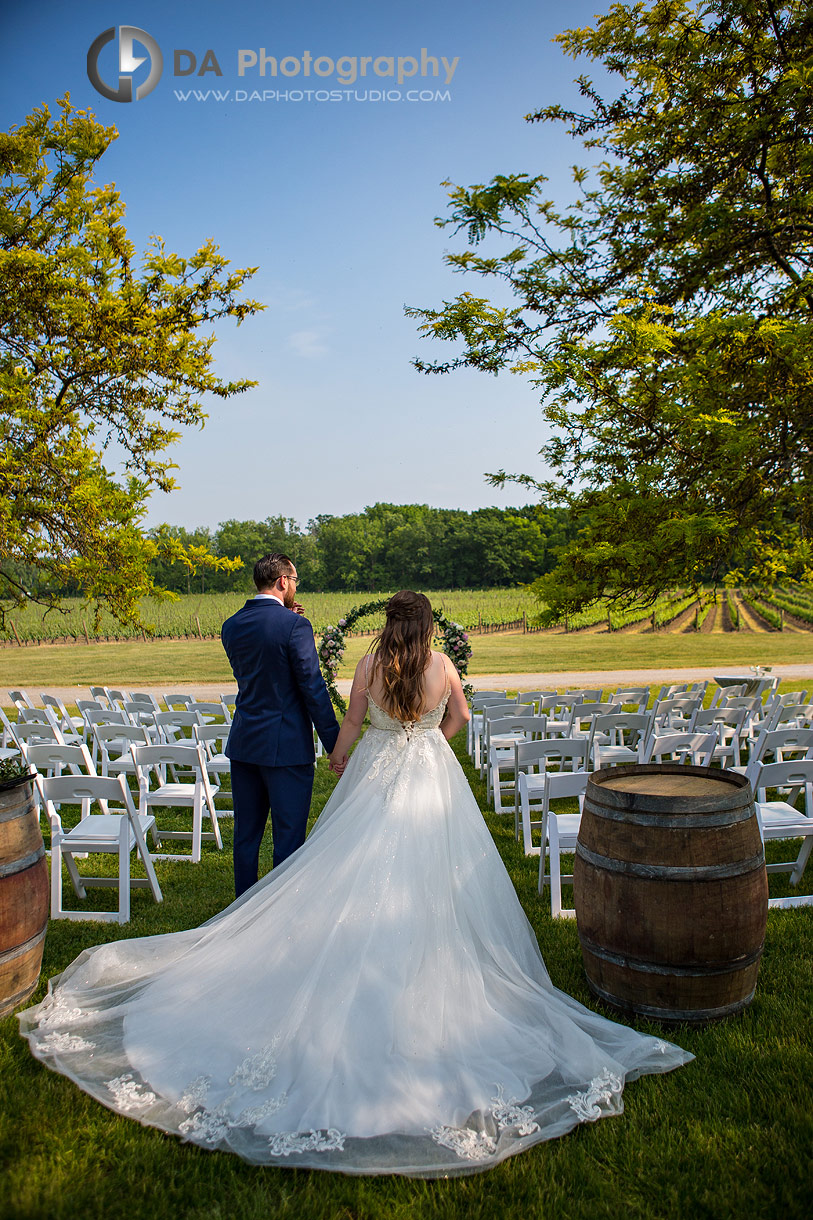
[379, 719]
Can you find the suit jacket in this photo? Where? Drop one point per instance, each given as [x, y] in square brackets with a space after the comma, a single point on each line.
[281, 692]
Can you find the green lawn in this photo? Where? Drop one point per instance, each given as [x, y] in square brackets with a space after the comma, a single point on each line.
[170, 661]
[727, 1136]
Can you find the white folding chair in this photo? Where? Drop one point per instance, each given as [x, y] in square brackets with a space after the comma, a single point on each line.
[617, 739]
[144, 697]
[781, 820]
[694, 748]
[476, 726]
[561, 832]
[21, 699]
[785, 715]
[531, 766]
[638, 696]
[587, 696]
[32, 732]
[118, 832]
[143, 715]
[36, 715]
[533, 696]
[495, 711]
[116, 698]
[153, 760]
[210, 711]
[50, 759]
[113, 742]
[676, 714]
[213, 738]
[8, 747]
[73, 728]
[724, 692]
[729, 724]
[498, 743]
[503, 733]
[778, 745]
[584, 715]
[96, 717]
[177, 702]
[172, 725]
[668, 692]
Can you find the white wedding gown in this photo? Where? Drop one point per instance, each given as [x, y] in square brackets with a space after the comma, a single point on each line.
[376, 1004]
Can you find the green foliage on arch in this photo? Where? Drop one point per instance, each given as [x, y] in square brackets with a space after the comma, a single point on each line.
[332, 645]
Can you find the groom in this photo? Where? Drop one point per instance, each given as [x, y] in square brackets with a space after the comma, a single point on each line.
[281, 696]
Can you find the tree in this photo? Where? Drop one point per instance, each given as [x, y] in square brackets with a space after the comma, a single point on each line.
[248, 540]
[667, 313]
[94, 350]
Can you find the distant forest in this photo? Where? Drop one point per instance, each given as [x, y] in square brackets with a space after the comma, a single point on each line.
[387, 546]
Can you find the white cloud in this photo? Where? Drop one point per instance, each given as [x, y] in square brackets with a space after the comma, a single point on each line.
[308, 344]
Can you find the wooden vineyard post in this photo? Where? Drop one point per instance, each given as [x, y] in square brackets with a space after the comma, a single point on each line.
[14, 629]
[197, 621]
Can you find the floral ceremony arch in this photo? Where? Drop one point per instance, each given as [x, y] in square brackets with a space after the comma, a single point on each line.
[333, 642]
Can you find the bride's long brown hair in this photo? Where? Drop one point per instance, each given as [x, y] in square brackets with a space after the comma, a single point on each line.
[402, 653]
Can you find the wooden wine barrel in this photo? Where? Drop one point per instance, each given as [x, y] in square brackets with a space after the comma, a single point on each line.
[670, 890]
[23, 894]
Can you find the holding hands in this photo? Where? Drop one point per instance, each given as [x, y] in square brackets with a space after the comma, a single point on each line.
[337, 762]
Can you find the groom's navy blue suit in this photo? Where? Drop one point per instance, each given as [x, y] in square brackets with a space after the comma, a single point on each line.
[281, 697]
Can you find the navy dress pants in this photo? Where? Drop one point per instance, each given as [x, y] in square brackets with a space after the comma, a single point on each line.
[285, 792]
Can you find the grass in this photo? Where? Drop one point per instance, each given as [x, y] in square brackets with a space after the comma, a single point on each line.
[727, 1136]
[203, 661]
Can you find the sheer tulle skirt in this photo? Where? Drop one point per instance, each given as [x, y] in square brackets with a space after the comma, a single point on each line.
[376, 1004]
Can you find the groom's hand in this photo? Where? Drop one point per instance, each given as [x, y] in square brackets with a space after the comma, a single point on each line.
[298, 608]
[337, 764]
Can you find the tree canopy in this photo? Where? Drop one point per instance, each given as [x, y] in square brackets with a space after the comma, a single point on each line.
[387, 546]
[97, 349]
[666, 314]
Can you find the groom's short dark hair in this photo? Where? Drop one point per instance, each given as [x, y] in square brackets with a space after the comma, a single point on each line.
[268, 570]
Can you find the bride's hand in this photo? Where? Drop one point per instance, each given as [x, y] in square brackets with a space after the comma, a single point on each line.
[337, 763]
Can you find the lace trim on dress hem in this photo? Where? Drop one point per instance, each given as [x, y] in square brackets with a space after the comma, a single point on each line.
[256, 1072]
[601, 1092]
[508, 1116]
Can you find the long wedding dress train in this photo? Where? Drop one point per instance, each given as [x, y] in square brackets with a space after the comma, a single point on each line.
[376, 1004]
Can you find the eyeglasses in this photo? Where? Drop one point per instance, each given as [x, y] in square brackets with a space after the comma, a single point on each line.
[295, 579]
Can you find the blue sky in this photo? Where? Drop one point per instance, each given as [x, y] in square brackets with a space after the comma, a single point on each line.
[334, 202]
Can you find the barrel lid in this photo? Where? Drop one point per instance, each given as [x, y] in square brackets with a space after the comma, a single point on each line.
[657, 783]
[671, 784]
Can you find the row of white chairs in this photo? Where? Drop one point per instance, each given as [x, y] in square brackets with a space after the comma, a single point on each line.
[175, 755]
[65, 774]
[530, 751]
[622, 736]
[111, 734]
[557, 832]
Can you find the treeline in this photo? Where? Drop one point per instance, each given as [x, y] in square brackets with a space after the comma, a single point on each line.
[387, 546]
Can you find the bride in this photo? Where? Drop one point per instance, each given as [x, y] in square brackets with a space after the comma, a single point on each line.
[376, 1004]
